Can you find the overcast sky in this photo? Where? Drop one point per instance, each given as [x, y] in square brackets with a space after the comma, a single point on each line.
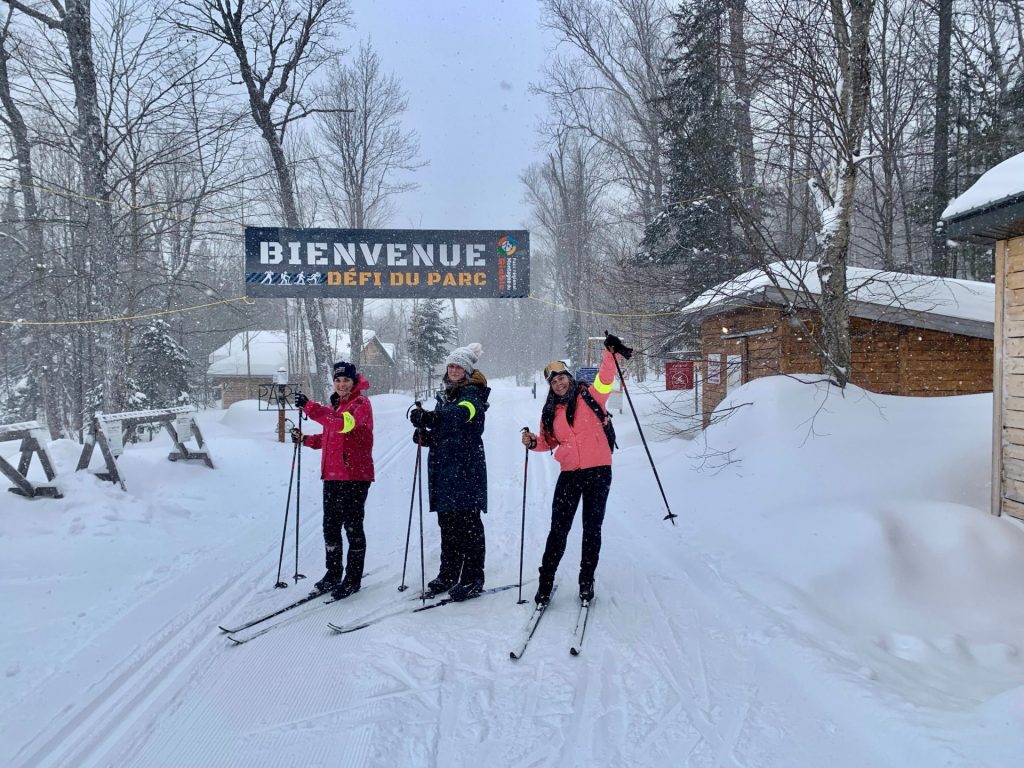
[466, 66]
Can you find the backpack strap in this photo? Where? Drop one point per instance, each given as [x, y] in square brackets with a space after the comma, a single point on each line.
[594, 405]
[603, 418]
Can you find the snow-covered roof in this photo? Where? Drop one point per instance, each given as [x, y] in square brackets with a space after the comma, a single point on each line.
[992, 209]
[924, 301]
[268, 351]
[999, 183]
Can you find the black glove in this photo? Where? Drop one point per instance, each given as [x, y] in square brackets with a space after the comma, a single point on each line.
[423, 419]
[300, 400]
[614, 343]
[421, 437]
[296, 434]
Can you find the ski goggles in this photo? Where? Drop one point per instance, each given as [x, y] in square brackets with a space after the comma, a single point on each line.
[555, 368]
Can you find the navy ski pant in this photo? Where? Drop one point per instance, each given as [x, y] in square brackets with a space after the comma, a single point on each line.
[592, 485]
[463, 548]
[344, 507]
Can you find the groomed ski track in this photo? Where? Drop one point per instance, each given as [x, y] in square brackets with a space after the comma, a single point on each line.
[679, 667]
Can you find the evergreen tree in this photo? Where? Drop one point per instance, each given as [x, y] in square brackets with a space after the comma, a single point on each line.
[695, 235]
[430, 334]
[18, 401]
[160, 368]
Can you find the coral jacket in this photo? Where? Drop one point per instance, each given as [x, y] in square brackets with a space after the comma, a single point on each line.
[583, 444]
[347, 439]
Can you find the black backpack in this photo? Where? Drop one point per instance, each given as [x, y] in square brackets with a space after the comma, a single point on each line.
[602, 416]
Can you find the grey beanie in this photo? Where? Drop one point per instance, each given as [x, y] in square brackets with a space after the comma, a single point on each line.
[465, 357]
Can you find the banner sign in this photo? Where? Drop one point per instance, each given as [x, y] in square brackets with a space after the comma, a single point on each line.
[386, 263]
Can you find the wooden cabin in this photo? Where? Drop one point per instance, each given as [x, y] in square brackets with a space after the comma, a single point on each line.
[991, 212]
[251, 358]
[910, 334]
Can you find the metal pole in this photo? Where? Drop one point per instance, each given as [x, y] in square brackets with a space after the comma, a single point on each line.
[298, 498]
[412, 501]
[522, 527]
[625, 391]
[423, 565]
[287, 508]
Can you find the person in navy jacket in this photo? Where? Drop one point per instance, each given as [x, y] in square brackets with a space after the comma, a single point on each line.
[346, 467]
[457, 472]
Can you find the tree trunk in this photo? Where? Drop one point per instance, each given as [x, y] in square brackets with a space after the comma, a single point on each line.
[77, 26]
[355, 330]
[42, 349]
[741, 80]
[940, 145]
[286, 187]
[854, 51]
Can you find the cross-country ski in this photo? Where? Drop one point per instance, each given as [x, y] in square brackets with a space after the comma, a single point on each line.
[387, 613]
[582, 617]
[252, 623]
[531, 627]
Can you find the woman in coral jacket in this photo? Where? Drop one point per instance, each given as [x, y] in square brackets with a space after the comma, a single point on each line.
[570, 427]
[346, 468]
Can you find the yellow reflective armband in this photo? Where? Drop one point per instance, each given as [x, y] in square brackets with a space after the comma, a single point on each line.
[469, 407]
[349, 422]
[601, 387]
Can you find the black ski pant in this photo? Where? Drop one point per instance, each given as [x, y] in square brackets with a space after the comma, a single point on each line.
[462, 546]
[592, 485]
[344, 507]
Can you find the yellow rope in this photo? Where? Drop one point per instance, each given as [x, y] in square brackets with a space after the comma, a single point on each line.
[601, 314]
[127, 317]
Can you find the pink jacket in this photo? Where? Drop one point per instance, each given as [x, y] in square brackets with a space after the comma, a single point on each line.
[347, 439]
[583, 445]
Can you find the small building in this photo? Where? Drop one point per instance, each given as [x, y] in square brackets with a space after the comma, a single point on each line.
[991, 212]
[251, 358]
[910, 334]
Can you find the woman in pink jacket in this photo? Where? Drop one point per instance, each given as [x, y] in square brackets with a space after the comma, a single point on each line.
[571, 427]
[346, 468]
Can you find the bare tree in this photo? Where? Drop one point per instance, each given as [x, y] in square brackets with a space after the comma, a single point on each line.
[276, 46]
[940, 144]
[819, 55]
[565, 193]
[34, 244]
[609, 87]
[850, 25]
[74, 21]
[900, 80]
[369, 151]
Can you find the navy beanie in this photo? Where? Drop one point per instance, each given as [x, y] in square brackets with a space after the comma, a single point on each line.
[341, 368]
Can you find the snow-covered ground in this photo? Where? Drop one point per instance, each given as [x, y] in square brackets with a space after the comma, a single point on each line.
[834, 593]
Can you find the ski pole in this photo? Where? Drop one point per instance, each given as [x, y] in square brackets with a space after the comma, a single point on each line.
[287, 508]
[412, 502]
[522, 529]
[423, 564]
[298, 498]
[636, 418]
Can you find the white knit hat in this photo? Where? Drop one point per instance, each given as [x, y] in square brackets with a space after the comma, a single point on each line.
[465, 357]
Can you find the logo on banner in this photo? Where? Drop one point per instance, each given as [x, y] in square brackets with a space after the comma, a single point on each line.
[506, 246]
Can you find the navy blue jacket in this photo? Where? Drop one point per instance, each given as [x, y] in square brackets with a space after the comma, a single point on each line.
[456, 467]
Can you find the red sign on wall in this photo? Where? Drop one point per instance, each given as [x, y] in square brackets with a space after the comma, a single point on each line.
[679, 374]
